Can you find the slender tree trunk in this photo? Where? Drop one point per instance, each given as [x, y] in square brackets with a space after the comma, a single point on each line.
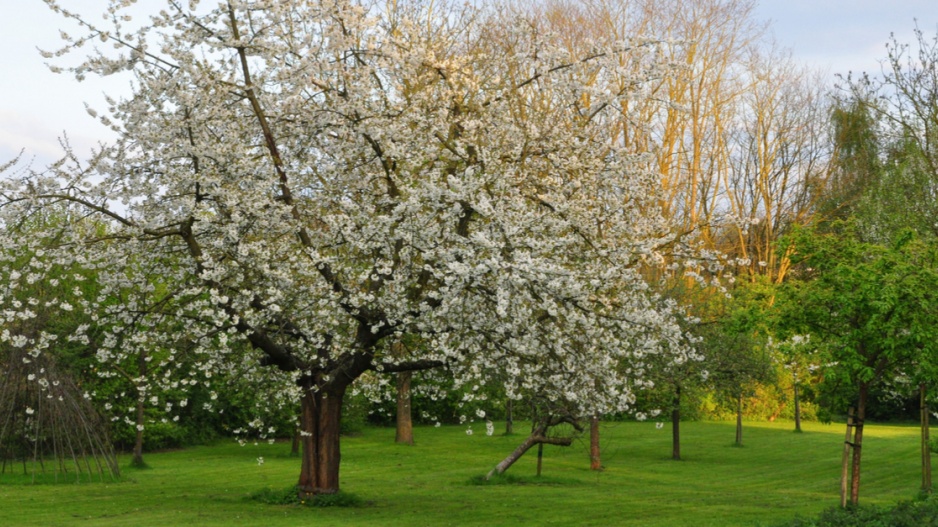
[295, 446]
[926, 447]
[858, 446]
[676, 425]
[797, 407]
[595, 461]
[405, 424]
[845, 464]
[538, 438]
[321, 414]
[739, 420]
[137, 460]
[509, 419]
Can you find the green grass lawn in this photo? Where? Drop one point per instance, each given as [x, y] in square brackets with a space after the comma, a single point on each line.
[776, 475]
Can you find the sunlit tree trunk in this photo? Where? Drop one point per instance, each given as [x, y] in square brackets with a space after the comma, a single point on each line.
[405, 424]
[595, 460]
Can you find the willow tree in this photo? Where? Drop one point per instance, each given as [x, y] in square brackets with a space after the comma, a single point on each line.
[321, 179]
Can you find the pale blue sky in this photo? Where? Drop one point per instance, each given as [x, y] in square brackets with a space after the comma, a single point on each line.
[37, 106]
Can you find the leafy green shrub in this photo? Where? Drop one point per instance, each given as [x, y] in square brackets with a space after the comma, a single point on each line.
[289, 496]
[919, 513]
[156, 436]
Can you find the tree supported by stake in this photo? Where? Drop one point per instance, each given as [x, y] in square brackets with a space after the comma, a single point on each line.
[321, 179]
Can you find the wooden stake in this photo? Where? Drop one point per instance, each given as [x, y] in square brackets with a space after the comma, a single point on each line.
[846, 459]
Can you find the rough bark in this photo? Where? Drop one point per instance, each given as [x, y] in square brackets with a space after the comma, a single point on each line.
[321, 413]
[405, 424]
[676, 425]
[595, 461]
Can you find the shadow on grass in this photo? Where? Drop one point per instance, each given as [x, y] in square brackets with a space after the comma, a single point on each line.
[511, 479]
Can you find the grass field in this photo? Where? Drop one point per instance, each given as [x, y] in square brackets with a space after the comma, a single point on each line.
[776, 475]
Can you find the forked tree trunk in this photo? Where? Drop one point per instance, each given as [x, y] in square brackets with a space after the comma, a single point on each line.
[739, 420]
[537, 437]
[320, 418]
[676, 425]
[926, 446]
[595, 461]
[405, 424]
[858, 446]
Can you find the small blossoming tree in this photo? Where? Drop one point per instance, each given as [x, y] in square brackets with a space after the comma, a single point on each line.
[320, 179]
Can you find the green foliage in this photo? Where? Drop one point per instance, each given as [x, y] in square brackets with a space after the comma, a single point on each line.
[871, 308]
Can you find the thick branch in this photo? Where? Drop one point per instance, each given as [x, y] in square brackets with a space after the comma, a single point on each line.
[415, 365]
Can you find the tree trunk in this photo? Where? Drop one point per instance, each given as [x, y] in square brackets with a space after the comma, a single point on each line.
[676, 425]
[509, 419]
[926, 447]
[295, 446]
[137, 460]
[320, 420]
[858, 446]
[797, 407]
[536, 438]
[739, 420]
[595, 462]
[405, 424]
